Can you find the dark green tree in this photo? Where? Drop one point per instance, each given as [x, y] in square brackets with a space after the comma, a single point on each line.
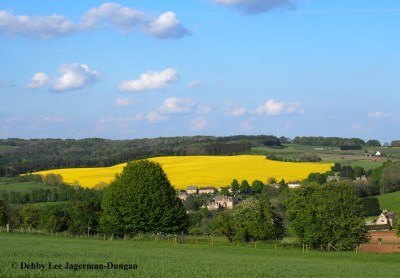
[56, 218]
[373, 143]
[317, 177]
[257, 186]
[371, 206]
[245, 187]
[235, 186]
[390, 177]
[85, 211]
[329, 215]
[358, 171]
[141, 199]
[3, 213]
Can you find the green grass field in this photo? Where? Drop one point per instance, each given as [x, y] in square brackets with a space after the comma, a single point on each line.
[23, 186]
[390, 201]
[167, 259]
[333, 154]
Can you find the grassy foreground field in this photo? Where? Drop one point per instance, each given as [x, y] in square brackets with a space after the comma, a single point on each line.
[166, 259]
[203, 170]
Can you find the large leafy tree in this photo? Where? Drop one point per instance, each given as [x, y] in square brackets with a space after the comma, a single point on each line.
[142, 200]
[329, 215]
[250, 220]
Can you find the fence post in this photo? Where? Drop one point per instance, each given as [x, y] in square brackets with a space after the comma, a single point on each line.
[8, 228]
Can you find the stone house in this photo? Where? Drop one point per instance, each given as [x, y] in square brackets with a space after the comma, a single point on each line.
[386, 218]
[206, 190]
[219, 202]
[192, 190]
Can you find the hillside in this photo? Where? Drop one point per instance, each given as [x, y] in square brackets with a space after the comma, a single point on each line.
[203, 170]
[390, 201]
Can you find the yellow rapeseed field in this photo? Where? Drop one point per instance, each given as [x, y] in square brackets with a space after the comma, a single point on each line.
[217, 171]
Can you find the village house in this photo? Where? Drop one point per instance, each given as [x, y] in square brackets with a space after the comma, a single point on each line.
[222, 202]
[362, 179]
[386, 218]
[333, 178]
[226, 187]
[293, 185]
[206, 190]
[182, 195]
[192, 190]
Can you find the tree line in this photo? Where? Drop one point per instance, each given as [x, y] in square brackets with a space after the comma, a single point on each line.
[25, 156]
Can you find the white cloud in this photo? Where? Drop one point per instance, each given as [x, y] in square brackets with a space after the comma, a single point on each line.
[123, 102]
[273, 108]
[256, 6]
[196, 84]
[151, 80]
[167, 26]
[177, 105]
[198, 123]
[39, 80]
[237, 112]
[380, 115]
[73, 77]
[52, 119]
[233, 109]
[125, 19]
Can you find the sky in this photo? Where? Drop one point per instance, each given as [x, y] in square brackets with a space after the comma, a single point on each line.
[136, 69]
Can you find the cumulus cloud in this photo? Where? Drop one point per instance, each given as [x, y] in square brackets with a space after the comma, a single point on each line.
[177, 105]
[257, 6]
[273, 108]
[151, 80]
[39, 80]
[74, 77]
[125, 19]
[123, 102]
[174, 105]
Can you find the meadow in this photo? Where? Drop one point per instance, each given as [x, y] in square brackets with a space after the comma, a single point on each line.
[167, 259]
[390, 201]
[23, 186]
[183, 171]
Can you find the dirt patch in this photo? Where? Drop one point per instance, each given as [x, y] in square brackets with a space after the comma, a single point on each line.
[380, 248]
[385, 236]
[382, 242]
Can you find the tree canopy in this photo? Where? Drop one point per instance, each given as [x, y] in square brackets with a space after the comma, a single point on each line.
[329, 215]
[141, 199]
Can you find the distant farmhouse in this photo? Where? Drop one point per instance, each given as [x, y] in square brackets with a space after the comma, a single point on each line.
[386, 218]
[220, 202]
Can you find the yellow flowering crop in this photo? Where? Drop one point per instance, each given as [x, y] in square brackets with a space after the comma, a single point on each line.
[216, 171]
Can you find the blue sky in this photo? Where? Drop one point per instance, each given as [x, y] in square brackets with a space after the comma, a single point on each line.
[134, 69]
